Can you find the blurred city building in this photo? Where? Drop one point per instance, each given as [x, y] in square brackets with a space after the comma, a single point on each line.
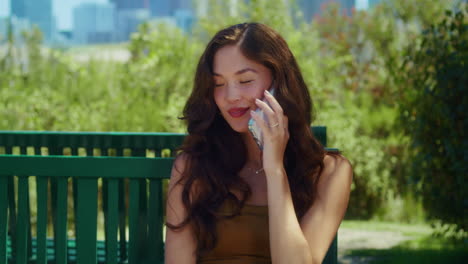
[129, 14]
[15, 24]
[36, 12]
[180, 4]
[116, 20]
[94, 23]
[160, 8]
[183, 12]
[312, 8]
[18, 8]
[130, 4]
[128, 21]
[184, 19]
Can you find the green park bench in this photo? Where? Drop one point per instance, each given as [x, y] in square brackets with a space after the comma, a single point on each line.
[120, 176]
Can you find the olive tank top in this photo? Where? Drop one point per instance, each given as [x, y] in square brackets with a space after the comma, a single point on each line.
[241, 239]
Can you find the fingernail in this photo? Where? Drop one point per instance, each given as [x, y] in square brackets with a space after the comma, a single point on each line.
[257, 101]
[267, 92]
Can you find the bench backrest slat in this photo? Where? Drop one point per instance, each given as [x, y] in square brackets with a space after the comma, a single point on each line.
[86, 220]
[155, 235]
[3, 218]
[60, 216]
[111, 211]
[134, 221]
[123, 183]
[42, 205]
[22, 226]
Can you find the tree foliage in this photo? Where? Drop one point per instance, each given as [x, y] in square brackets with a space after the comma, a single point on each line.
[434, 107]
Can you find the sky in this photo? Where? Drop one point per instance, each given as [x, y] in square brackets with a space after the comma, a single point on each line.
[62, 9]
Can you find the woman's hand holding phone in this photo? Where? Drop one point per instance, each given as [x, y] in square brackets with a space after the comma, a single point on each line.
[274, 133]
[254, 127]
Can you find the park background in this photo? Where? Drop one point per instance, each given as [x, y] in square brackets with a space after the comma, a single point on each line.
[390, 84]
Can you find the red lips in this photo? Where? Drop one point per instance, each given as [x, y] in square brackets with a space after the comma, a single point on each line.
[238, 111]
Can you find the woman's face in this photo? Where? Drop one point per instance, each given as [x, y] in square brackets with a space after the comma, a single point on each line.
[238, 82]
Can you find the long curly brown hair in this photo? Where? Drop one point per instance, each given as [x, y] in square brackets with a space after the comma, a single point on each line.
[215, 153]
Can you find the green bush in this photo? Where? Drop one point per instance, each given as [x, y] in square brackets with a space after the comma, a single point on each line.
[434, 107]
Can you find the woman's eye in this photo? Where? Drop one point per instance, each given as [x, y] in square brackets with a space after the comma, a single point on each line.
[243, 82]
[219, 84]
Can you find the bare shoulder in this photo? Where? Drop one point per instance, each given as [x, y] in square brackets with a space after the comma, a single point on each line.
[336, 162]
[179, 177]
[175, 210]
[180, 244]
[336, 168]
[178, 167]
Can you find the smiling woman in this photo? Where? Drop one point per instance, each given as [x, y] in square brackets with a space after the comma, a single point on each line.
[230, 201]
[238, 82]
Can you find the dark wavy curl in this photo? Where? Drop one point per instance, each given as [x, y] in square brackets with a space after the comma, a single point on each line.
[215, 153]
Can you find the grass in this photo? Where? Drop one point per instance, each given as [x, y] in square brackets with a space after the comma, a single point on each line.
[423, 248]
[404, 228]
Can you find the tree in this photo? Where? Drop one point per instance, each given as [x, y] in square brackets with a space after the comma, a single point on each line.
[434, 107]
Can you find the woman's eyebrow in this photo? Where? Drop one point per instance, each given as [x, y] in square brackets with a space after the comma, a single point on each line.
[238, 72]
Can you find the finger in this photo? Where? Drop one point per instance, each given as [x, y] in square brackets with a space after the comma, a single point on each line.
[264, 106]
[270, 114]
[275, 106]
[261, 122]
[274, 103]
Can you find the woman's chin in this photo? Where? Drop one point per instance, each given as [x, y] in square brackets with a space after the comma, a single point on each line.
[240, 129]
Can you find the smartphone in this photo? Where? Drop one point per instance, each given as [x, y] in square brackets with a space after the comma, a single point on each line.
[254, 128]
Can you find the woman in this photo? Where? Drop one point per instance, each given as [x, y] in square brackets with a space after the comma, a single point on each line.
[228, 200]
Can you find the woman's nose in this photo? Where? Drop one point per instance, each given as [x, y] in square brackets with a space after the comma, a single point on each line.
[232, 93]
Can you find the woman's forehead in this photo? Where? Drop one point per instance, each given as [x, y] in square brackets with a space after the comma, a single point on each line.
[229, 60]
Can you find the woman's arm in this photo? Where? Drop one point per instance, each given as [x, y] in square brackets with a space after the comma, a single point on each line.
[309, 240]
[306, 241]
[180, 245]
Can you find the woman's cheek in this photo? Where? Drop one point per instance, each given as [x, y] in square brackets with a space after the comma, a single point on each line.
[218, 94]
[259, 92]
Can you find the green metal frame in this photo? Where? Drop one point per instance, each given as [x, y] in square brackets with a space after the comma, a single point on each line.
[131, 193]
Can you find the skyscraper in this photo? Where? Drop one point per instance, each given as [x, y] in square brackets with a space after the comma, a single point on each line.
[18, 8]
[37, 12]
[160, 8]
[184, 19]
[131, 4]
[94, 23]
[129, 14]
[180, 4]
